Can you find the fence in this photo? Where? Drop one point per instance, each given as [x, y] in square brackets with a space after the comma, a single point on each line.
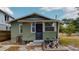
[4, 35]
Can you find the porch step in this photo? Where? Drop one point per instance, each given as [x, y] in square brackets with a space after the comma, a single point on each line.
[38, 42]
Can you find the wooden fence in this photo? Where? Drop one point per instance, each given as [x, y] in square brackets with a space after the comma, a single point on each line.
[4, 35]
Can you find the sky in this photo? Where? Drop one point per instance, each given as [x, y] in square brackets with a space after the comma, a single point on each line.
[22, 11]
[51, 12]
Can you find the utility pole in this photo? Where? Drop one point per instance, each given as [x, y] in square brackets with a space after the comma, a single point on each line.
[56, 16]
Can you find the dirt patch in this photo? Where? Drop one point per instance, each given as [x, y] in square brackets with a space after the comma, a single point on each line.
[13, 48]
[1, 46]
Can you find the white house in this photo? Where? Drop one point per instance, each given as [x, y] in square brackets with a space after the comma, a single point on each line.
[4, 18]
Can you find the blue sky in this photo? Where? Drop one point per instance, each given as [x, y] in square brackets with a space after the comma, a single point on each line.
[61, 12]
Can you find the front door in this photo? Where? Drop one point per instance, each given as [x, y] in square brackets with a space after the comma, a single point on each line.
[39, 31]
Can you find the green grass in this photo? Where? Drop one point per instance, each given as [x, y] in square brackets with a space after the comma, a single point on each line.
[69, 41]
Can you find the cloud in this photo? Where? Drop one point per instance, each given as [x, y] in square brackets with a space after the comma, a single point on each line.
[6, 10]
[50, 8]
[71, 15]
[69, 12]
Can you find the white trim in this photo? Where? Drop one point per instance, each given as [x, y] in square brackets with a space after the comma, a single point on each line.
[53, 25]
[35, 27]
[43, 26]
[32, 26]
[43, 23]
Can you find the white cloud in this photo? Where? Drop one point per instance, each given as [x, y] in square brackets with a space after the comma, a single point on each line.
[69, 12]
[7, 10]
[50, 8]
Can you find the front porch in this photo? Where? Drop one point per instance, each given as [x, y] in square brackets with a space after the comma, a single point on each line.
[38, 31]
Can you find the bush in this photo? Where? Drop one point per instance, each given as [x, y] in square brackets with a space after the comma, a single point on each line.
[70, 29]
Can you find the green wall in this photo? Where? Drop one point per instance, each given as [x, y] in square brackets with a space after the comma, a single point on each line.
[49, 34]
[14, 31]
[27, 35]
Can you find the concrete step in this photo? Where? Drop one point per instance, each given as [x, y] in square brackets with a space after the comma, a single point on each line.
[38, 42]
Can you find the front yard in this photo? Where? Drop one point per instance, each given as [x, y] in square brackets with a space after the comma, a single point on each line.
[69, 40]
[8, 46]
[67, 43]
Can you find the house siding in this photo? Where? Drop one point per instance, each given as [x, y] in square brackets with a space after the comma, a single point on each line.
[27, 34]
[49, 34]
[2, 18]
[14, 31]
[3, 23]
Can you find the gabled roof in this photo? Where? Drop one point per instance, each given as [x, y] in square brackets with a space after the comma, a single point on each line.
[33, 15]
[6, 13]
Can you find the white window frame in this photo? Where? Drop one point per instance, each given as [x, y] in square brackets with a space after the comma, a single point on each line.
[35, 27]
[52, 26]
[43, 26]
[32, 26]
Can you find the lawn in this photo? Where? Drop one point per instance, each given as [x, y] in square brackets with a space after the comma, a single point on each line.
[69, 40]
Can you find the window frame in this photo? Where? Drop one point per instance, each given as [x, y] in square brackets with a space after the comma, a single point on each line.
[52, 25]
[6, 18]
[32, 27]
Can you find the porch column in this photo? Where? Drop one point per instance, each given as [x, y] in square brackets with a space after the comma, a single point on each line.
[57, 30]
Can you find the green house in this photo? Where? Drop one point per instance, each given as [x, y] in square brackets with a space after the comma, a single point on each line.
[34, 27]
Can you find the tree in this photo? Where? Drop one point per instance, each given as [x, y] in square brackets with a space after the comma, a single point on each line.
[76, 23]
[62, 29]
[67, 21]
[70, 29]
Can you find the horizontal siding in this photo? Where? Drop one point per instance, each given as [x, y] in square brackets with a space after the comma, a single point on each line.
[3, 23]
[3, 27]
[27, 35]
[14, 31]
[49, 34]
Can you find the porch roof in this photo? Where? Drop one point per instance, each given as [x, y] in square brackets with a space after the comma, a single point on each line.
[44, 19]
[37, 21]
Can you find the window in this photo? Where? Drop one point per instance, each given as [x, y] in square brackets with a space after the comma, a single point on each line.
[33, 27]
[6, 18]
[20, 29]
[6, 27]
[9, 28]
[49, 26]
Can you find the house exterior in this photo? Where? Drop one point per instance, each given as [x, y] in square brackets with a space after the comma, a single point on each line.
[34, 27]
[4, 19]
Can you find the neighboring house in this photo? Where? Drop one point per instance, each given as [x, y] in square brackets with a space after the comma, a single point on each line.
[34, 27]
[4, 19]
